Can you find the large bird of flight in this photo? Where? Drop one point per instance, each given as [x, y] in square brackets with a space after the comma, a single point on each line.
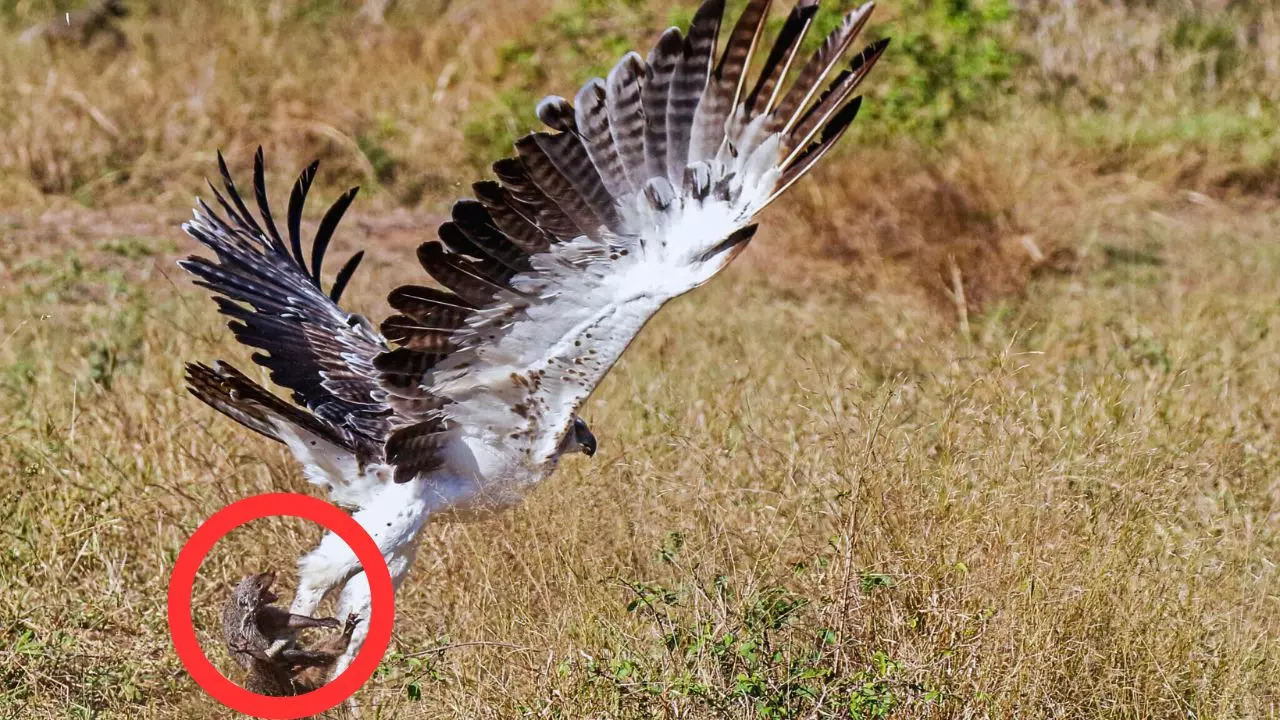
[642, 188]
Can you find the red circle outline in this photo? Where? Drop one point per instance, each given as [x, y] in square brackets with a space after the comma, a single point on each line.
[182, 628]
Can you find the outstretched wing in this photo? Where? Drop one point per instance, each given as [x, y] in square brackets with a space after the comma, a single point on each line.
[277, 305]
[644, 189]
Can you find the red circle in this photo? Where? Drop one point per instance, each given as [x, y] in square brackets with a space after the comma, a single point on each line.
[182, 581]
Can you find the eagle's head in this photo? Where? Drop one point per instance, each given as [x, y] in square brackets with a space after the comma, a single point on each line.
[578, 439]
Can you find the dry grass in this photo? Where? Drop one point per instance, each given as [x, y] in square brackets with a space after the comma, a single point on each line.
[983, 425]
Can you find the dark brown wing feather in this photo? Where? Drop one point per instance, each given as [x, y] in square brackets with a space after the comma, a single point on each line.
[277, 305]
[228, 391]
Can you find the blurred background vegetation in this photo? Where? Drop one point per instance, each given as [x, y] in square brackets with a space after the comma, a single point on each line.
[990, 122]
[1182, 90]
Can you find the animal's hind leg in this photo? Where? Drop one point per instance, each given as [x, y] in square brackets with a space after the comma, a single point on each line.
[300, 622]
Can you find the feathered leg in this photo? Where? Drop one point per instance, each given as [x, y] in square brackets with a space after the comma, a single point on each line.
[321, 570]
[393, 518]
[357, 599]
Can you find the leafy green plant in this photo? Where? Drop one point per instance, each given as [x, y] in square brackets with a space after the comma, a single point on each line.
[1214, 40]
[134, 247]
[947, 60]
[869, 582]
[491, 131]
[375, 142]
[414, 671]
[768, 657]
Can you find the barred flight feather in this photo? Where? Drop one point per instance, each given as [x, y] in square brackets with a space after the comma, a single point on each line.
[656, 94]
[625, 107]
[592, 118]
[689, 83]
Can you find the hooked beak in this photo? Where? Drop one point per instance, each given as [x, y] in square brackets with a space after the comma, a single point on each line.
[583, 437]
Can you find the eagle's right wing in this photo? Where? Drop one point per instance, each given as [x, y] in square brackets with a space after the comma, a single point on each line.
[646, 188]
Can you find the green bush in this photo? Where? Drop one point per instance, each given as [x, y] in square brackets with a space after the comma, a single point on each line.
[1214, 41]
[947, 60]
[767, 658]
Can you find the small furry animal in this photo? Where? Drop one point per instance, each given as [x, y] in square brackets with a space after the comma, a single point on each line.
[251, 625]
[92, 26]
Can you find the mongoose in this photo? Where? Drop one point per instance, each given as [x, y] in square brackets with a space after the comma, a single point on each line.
[94, 25]
[251, 624]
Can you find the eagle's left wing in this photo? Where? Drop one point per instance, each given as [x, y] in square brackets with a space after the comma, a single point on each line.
[262, 280]
[646, 189]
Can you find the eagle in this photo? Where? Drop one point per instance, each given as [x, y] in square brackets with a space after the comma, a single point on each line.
[639, 190]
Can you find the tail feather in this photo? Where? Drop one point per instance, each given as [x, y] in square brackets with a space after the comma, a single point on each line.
[742, 45]
[260, 194]
[781, 56]
[556, 113]
[473, 221]
[625, 106]
[206, 385]
[820, 65]
[571, 159]
[592, 119]
[344, 276]
[465, 278]
[831, 134]
[724, 87]
[545, 214]
[503, 210]
[328, 224]
[557, 187]
[297, 201]
[831, 101]
[243, 217]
